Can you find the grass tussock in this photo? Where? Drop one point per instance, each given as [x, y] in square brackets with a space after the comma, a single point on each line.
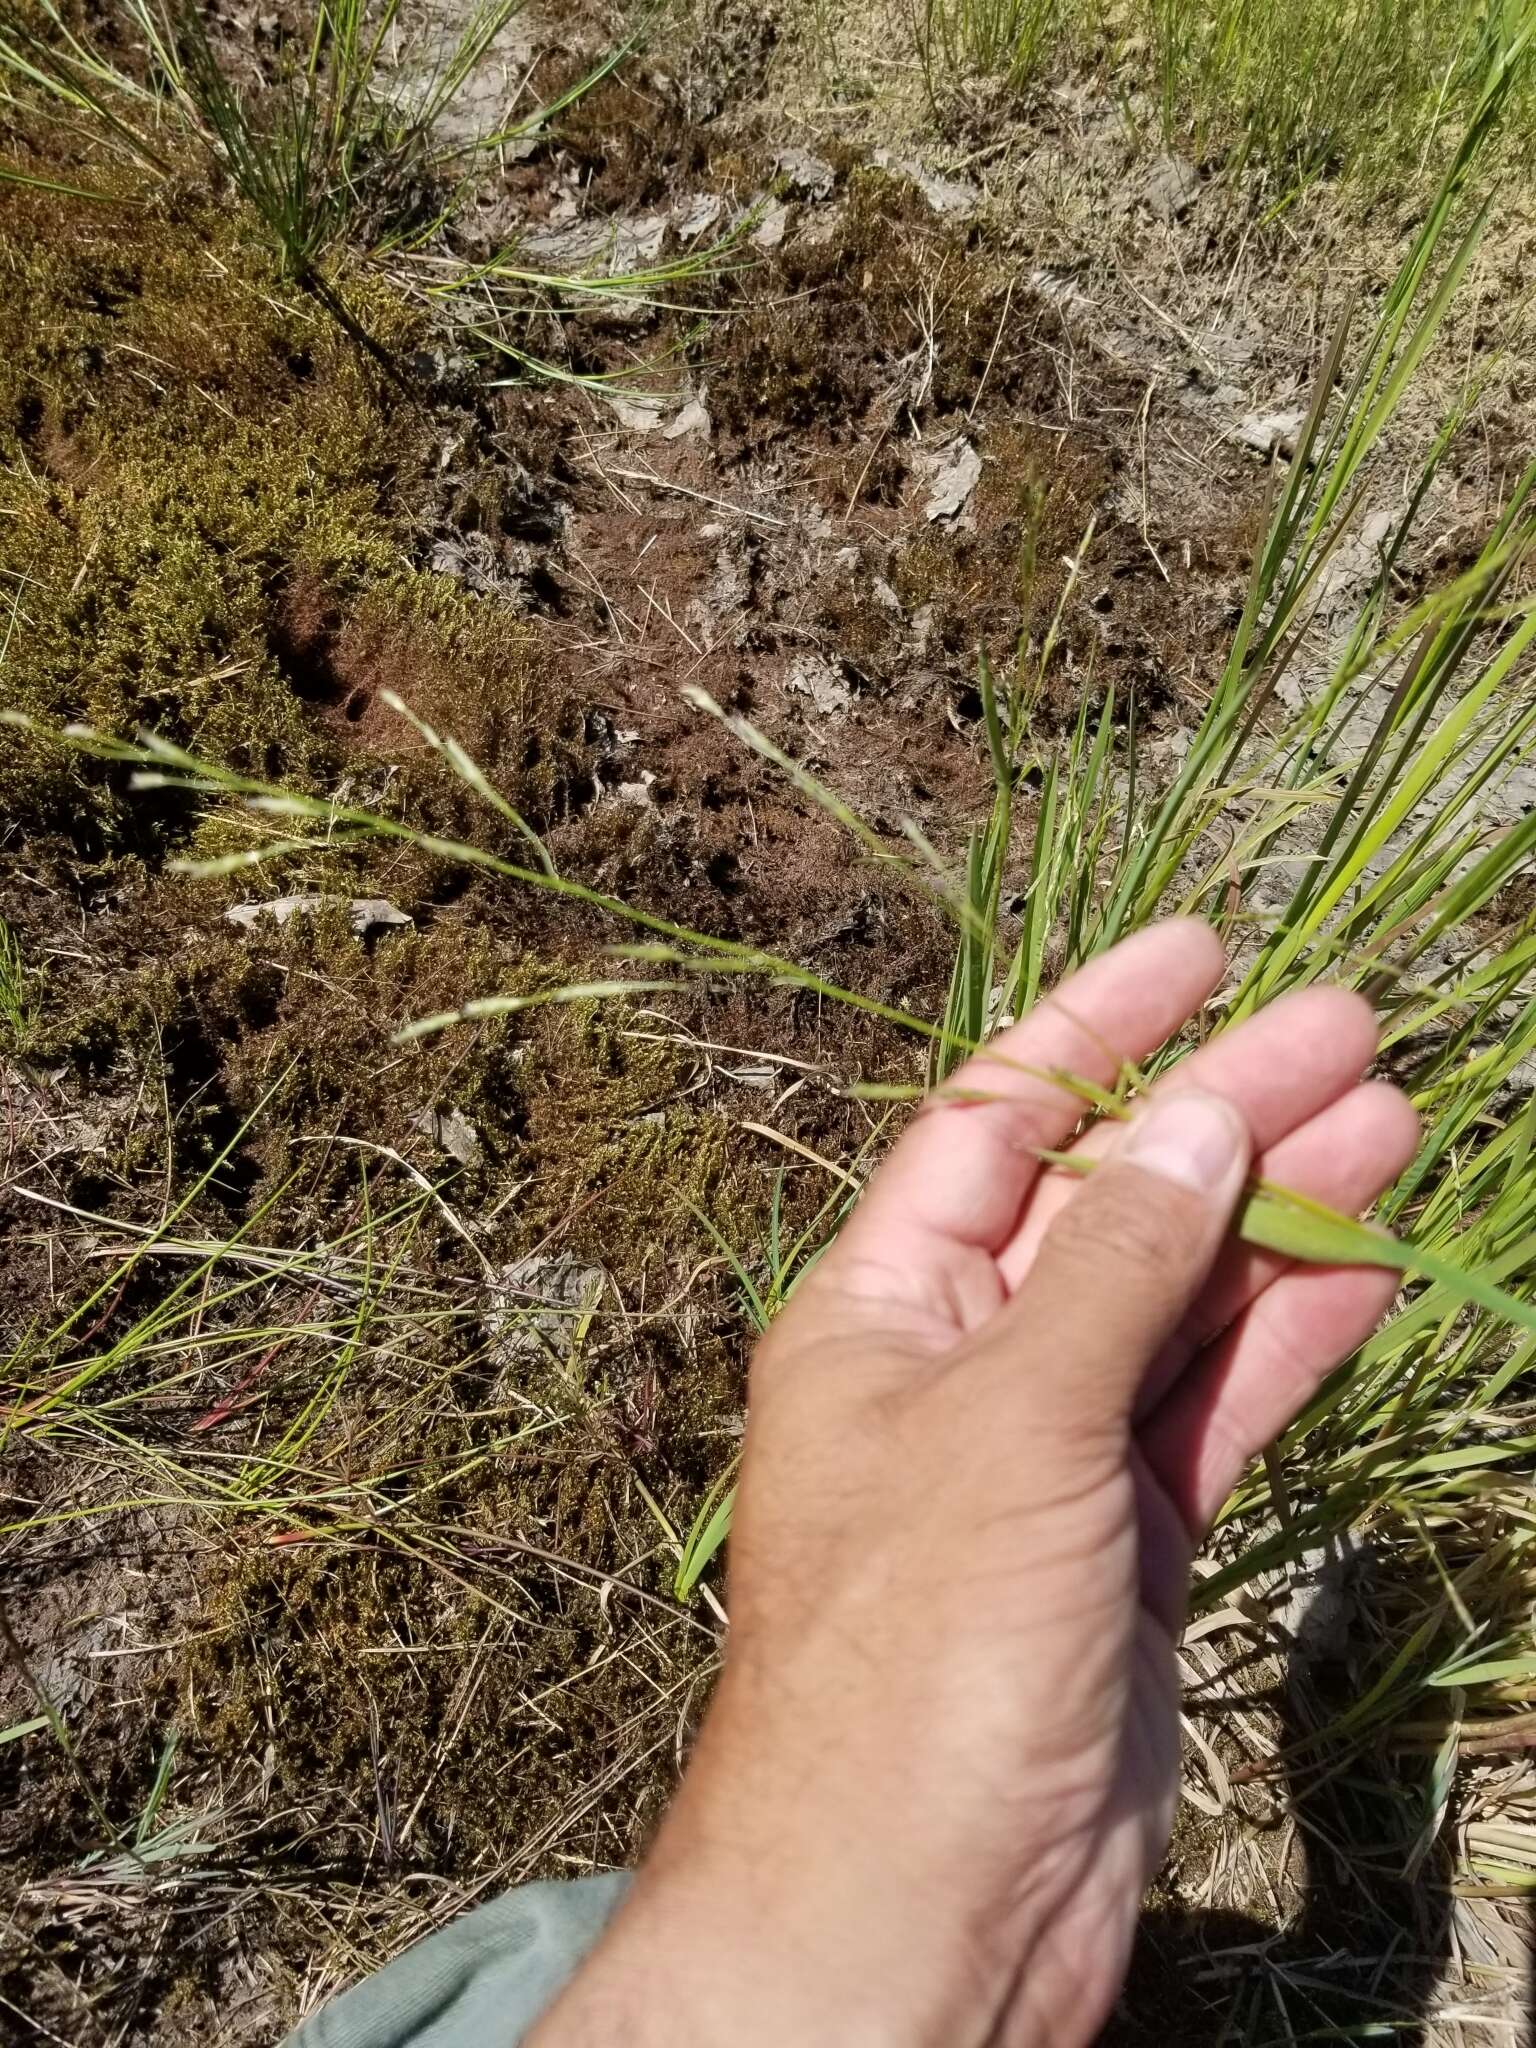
[347, 150]
[1305, 90]
[1009, 39]
[1369, 92]
[327, 131]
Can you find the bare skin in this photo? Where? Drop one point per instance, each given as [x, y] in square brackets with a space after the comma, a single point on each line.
[941, 1764]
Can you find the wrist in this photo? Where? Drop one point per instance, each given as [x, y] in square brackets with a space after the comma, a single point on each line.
[682, 1968]
[777, 1914]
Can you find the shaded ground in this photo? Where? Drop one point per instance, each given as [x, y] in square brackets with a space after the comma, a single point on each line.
[386, 1539]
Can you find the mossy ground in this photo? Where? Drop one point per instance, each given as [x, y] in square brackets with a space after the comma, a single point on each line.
[414, 1581]
[178, 436]
[215, 518]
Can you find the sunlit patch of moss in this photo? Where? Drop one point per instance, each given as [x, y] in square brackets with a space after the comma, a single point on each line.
[178, 436]
[618, 1154]
[469, 668]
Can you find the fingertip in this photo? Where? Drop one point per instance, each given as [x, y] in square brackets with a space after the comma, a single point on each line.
[1347, 1010]
[1359, 1009]
[1244, 1391]
[1190, 941]
[1393, 1122]
[1199, 1140]
[1339, 1018]
[1202, 940]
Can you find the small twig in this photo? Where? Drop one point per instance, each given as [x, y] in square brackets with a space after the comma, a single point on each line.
[992, 358]
[660, 483]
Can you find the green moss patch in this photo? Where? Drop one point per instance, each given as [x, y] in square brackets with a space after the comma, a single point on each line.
[208, 494]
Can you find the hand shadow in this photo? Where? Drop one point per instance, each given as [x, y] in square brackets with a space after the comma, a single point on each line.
[1351, 1936]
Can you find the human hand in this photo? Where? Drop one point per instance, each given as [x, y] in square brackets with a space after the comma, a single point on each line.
[985, 1435]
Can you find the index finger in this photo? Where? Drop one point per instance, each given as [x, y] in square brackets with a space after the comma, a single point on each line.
[961, 1173]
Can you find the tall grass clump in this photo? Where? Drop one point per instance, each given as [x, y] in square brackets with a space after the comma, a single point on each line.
[1302, 89]
[334, 145]
[1288, 90]
[1008, 39]
[1363, 824]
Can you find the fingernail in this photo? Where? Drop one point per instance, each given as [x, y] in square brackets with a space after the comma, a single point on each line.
[1197, 1140]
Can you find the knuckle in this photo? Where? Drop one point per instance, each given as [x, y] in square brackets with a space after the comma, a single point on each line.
[1130, 1221]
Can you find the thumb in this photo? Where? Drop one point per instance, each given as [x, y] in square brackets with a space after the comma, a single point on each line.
[1122, 1263]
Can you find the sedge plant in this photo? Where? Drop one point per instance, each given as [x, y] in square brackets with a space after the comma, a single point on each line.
[306, 151]
[18, 991]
